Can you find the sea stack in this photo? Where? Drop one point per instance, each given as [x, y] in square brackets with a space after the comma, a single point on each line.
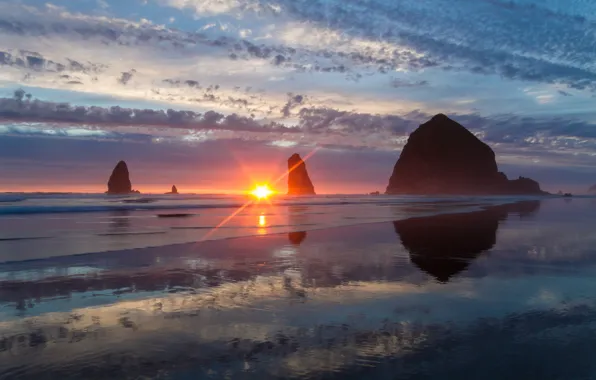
[299, 182]
[119, 182]
[443, 157]
[174, 190]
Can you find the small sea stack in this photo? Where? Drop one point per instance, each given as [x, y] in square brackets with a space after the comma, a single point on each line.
[173, 191]
[443, 157]
[299, 182]
[119, 182]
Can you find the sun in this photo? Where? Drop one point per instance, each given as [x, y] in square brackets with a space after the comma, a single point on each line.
[262, 191]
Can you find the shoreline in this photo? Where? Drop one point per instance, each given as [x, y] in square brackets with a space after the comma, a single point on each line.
[280, 230]
[17, 208]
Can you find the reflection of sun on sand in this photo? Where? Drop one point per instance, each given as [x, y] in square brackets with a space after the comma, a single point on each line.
[232, 312]
[262, 293]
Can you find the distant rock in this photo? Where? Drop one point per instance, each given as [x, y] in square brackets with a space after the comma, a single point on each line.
[375, 193]
[174, 190]
[299, 182]
[443, 157]
[119, 182]
[592, 189]
[567, 195]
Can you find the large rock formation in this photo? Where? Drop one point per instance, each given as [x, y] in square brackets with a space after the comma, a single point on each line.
[174, 190]
[592, 189]
[119, 182]
[443, 157]
[299, 182]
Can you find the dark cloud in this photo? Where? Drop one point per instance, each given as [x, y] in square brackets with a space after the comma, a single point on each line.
[400, 83]
[126, 77]
[293, 102]
[17, 109]
[319, 120]
[36, 62]
[567, 140]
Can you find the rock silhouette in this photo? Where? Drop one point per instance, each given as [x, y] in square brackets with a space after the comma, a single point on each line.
[592, 189]
[445, 245]
[119, 182]
[174, 190]
[299, 182]
[443, 157]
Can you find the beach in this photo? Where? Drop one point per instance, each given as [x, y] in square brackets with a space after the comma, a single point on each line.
[325, 287]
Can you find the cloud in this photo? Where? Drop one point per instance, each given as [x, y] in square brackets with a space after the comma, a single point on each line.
[19, 109]
[293, 102]
[102, 4]
[510, 135]
[400, 83]
[313, 54]
[478, 37]
[126, 76]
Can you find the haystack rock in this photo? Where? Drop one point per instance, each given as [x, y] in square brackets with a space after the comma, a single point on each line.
[174, 190]
[443, 157]
[299, 182]
[119, 182]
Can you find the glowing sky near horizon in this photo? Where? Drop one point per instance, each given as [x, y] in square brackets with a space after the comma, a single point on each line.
[215, 95]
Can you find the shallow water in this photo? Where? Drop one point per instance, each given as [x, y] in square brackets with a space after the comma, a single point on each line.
[35, 226]
[504, 292]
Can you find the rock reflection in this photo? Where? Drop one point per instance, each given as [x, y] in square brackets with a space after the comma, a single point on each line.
[445, 245]
[120, 221]
[297, 216]
[296, 238]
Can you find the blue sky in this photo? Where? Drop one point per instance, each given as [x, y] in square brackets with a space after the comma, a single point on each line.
[262, 79]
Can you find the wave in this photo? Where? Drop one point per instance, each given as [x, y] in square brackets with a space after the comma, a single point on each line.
[133, 233]
[11, 199]
[60, 209]
[175, 215]
[83, 204]
[25, 238]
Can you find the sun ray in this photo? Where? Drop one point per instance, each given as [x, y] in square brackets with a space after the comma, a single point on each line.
[285, 174]
[227, 219]
[263, 189]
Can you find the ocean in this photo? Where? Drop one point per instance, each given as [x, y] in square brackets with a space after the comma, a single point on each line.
[323, 287]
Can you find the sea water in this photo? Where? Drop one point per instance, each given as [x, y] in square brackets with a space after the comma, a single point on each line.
[34, 226]
[327, 287]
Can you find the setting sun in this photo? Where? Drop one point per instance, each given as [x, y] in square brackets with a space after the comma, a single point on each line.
[262, 191]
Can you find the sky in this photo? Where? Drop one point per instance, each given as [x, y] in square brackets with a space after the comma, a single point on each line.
[215, 95]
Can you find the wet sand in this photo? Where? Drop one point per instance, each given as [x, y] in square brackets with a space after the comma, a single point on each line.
[503, 292]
